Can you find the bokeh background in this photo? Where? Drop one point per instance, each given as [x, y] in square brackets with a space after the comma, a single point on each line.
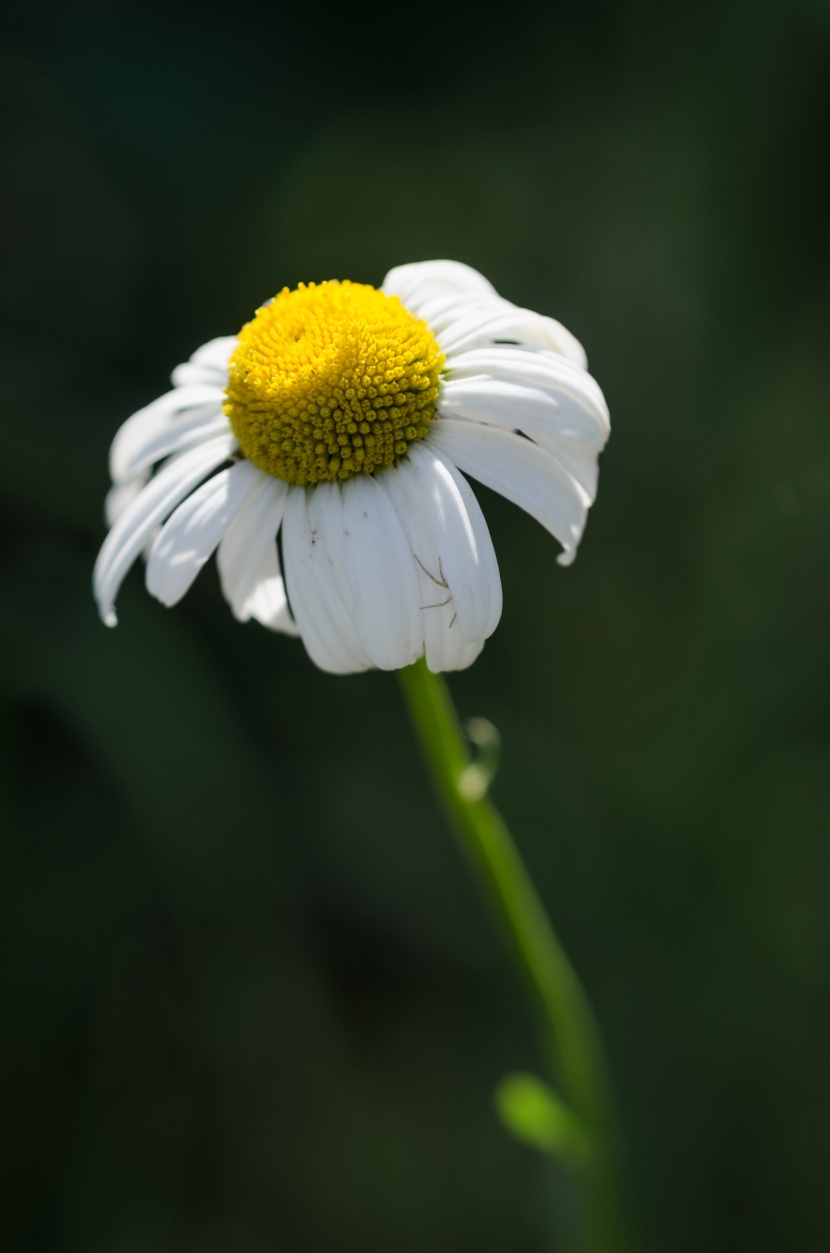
[252, 1002]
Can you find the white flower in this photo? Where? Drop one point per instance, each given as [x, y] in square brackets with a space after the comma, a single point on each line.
[341, 422]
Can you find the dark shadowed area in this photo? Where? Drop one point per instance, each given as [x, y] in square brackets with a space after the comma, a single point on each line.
[252, 1002]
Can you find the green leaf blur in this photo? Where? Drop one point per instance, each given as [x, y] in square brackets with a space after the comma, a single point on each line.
[532, 1111]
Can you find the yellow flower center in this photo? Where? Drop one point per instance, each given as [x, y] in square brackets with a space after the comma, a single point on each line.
[332, 380]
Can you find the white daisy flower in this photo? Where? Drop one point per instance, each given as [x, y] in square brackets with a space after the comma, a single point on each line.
[322, 454]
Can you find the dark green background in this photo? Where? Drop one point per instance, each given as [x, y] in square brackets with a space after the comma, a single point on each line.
[251, 1001]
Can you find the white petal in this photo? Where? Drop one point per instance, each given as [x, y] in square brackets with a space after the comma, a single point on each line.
[452, 315]
[577, 457]
[464, 309]
[122, 494]
[384, 586]
[268, 603]
[522, 472]
[422, 280]
[467, 559]
[319, 630]
[153, 504]
[444, 311]
[468, 654]
[325, 514]
[487, 322]
[147, 423]
[444, 645]
[193, 531]
[209, 364]
[523, 407]
[325, 508]
[189, 375]
[248, 561]
[216, 352]
[534, 368]
[193, 427]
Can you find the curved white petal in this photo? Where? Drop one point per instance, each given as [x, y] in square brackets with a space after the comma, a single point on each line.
[268, 603]
[122, 494]
[216, 353]
[153, 504]
[577, 457]
[318, 628]
[193, 427]
[248, 560]
[420, 281]
[208, 364]
[325, 508]
[466, 556]
[522, 472]
[486, 553]
[145, 425]
[523, 407]
[325, 515]
[445, 647]
[189, 375]
[442, 642]
[193, 531]
[381, 575]
[534, 368]
[479, 323]
[448, 315]
[444, 310]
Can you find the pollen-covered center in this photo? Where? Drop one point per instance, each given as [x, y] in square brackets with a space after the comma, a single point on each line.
[328, 381]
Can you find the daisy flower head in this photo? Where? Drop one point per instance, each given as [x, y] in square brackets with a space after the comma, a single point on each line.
[322, 453]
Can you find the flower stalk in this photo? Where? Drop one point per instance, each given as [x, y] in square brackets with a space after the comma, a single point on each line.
[572, 1046]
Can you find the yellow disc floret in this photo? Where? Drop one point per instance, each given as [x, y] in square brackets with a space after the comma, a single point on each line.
[331, 380]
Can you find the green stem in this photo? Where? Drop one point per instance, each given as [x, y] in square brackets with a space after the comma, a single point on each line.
[572, 1042]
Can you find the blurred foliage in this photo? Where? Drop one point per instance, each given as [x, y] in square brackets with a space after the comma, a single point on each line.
[250, 1000]
[535, 1114]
